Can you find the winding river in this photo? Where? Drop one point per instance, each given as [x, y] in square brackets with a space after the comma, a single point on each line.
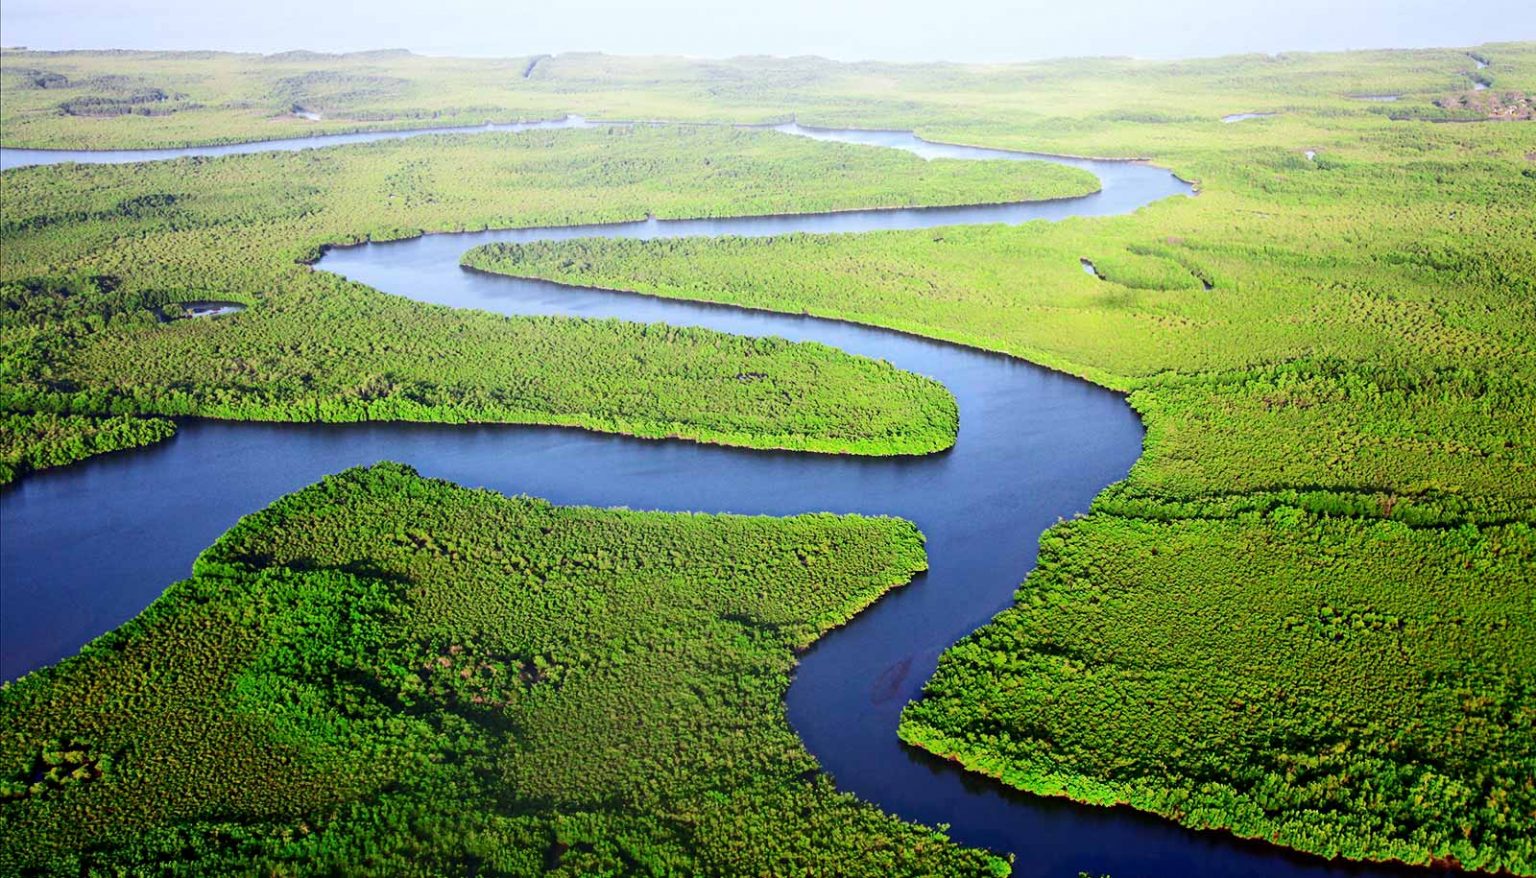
[84, 548]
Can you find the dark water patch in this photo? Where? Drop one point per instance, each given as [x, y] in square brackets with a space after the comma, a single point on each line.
[1243, 117]
[199, 308]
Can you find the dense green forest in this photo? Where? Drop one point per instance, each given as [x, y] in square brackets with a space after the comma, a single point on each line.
[386, 675]
[1335, 358]
[39, 440]
[1350, 685]
[94, 255]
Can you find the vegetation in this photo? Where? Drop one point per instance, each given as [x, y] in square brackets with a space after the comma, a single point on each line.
[1346, 685]
[1412, 370]
[216, 96]
[36, 441]
[387, 675]
[95, 254]
[1307, 616]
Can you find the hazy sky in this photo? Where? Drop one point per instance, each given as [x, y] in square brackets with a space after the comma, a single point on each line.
[959, 30]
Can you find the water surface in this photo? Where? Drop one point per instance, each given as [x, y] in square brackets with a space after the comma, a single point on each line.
[12, 157]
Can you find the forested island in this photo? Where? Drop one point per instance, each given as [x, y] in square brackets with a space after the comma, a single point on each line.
[400, 676]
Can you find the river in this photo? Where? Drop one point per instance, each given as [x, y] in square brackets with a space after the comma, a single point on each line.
[86, 547]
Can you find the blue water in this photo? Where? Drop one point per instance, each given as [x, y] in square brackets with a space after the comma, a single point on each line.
[19, 158]
[84, 548]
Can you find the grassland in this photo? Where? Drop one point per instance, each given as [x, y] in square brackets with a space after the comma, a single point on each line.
[95, 254]
[1308, 615]
[385, 675]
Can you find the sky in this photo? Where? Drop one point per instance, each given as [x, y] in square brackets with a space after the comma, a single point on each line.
[850, 30]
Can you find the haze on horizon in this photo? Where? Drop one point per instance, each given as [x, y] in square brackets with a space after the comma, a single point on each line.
[899, 30]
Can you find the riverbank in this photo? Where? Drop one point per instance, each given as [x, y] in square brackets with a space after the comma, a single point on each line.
[35, 441]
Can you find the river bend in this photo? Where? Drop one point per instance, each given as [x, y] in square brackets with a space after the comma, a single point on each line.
[86, 547]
